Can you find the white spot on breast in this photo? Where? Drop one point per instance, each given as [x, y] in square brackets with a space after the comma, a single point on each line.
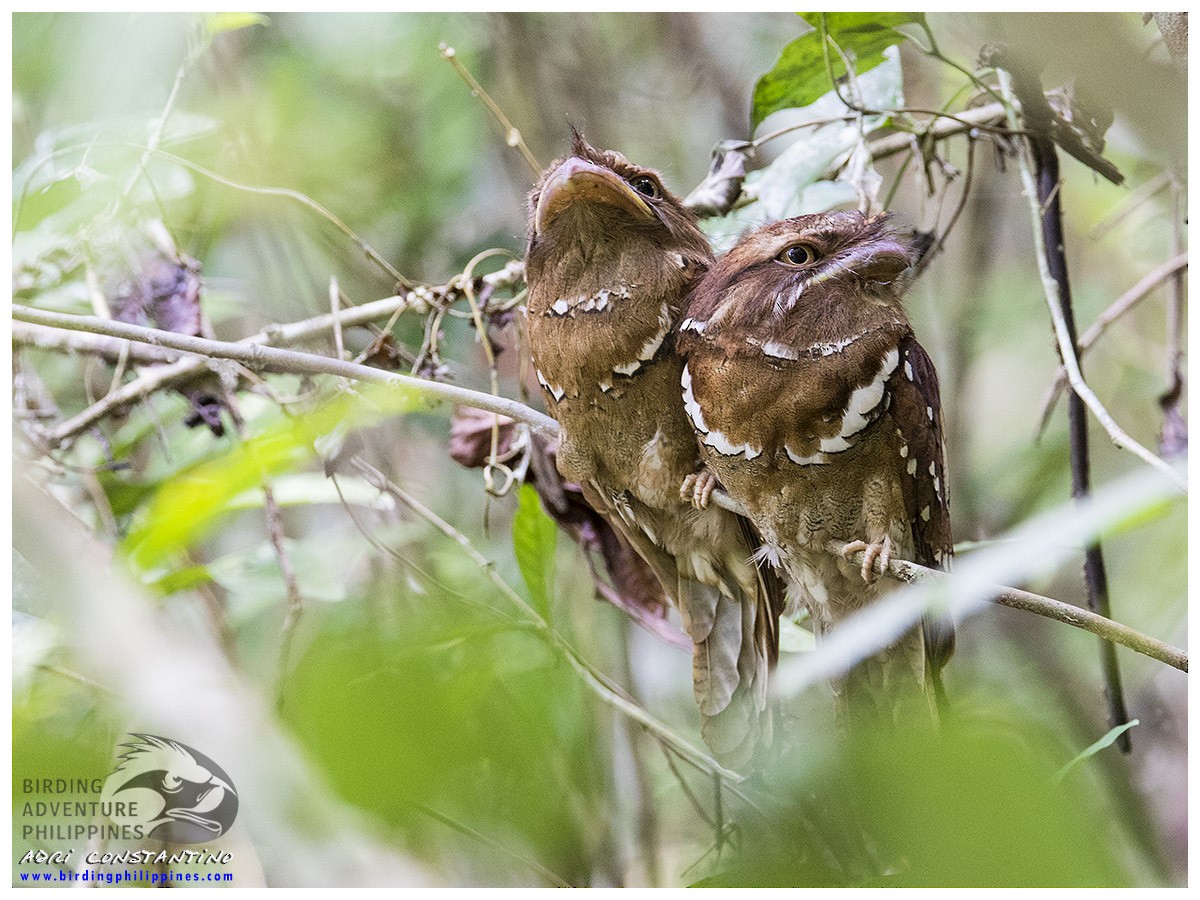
[834, 444]
[929, 412]
[912, 466]
[817, 459]
[650, 348]
[863, 406]
[560, 307]
[779, 351]
[652, 455]
[726, 447]
[908, 370]
[903, 451]
[933, 468]
[937, 486]
[925, 514]
[554, 391]
[689, 402]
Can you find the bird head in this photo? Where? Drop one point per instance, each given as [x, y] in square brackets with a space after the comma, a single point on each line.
[594, 208]
[807, 279]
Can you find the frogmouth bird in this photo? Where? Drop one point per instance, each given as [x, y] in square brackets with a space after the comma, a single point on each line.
[611, 253]
[818, 411]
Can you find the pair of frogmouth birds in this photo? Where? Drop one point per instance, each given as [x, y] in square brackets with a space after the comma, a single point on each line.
[787, 373]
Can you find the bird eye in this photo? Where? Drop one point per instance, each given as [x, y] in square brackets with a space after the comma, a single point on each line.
[646, 186]
[799, 254]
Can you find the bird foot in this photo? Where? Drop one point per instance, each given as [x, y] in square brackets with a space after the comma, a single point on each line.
[697, 488]
[878, 550]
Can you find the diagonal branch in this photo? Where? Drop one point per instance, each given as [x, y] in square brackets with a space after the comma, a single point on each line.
[1172, 269]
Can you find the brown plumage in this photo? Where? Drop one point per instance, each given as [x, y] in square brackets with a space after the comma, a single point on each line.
[611, 254]
[818, 411]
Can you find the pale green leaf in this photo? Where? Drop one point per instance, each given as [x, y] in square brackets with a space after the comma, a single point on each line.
[1093, 749]
[534, 538]
[220, 23]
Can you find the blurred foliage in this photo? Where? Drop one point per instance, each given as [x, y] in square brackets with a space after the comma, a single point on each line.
[415, 687]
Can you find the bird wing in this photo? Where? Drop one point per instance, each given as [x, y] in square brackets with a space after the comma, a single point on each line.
[732, 618]
[916, 411]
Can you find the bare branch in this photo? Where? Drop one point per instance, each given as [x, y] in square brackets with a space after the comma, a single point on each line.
[1066, 345]
[1171, 269]
[909, 572]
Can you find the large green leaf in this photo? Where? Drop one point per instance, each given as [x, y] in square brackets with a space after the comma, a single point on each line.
[800, 77]
[534, 538]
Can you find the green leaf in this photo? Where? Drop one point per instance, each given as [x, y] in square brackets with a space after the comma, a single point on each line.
[182, 580]
[220, 23]
[1106, 741]
[793, 184]
[534, 539]
[800, 77]
[189, 506]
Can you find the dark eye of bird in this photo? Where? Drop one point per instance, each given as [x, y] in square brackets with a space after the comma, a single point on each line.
[645, 185]
[799, 254]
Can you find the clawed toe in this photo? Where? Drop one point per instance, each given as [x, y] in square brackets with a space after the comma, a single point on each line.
[697, 488]
[879, 550]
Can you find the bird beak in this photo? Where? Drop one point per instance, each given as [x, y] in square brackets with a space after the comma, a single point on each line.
[577, 179]
[882, 261]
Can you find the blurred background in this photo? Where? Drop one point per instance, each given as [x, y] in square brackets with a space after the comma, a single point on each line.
[412, 725]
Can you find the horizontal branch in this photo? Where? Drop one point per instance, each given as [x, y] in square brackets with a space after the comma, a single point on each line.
[892, 144]
[42, 337]
[909, 573]
[272, 359]
[291, 361]
[420, 300]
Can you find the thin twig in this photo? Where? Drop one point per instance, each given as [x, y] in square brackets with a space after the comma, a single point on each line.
[304, 199]
[943, 127]
[259, 356]
[419, 300]
[529, 863]
[1171, 269]
[512, 136]
[295, 607]
[156, 135]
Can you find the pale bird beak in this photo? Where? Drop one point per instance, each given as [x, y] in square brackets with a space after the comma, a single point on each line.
[579, 180]
[882, 261]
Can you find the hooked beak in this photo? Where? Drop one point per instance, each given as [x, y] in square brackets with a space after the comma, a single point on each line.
[577, 179]
[883, 261]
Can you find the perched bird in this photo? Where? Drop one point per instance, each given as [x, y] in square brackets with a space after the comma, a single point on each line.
[611, 254]
[818, 411]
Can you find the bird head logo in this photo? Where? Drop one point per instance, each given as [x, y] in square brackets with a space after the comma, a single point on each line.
[173, 792]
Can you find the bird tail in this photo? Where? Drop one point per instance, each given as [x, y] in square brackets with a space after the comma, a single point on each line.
[733, 623]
